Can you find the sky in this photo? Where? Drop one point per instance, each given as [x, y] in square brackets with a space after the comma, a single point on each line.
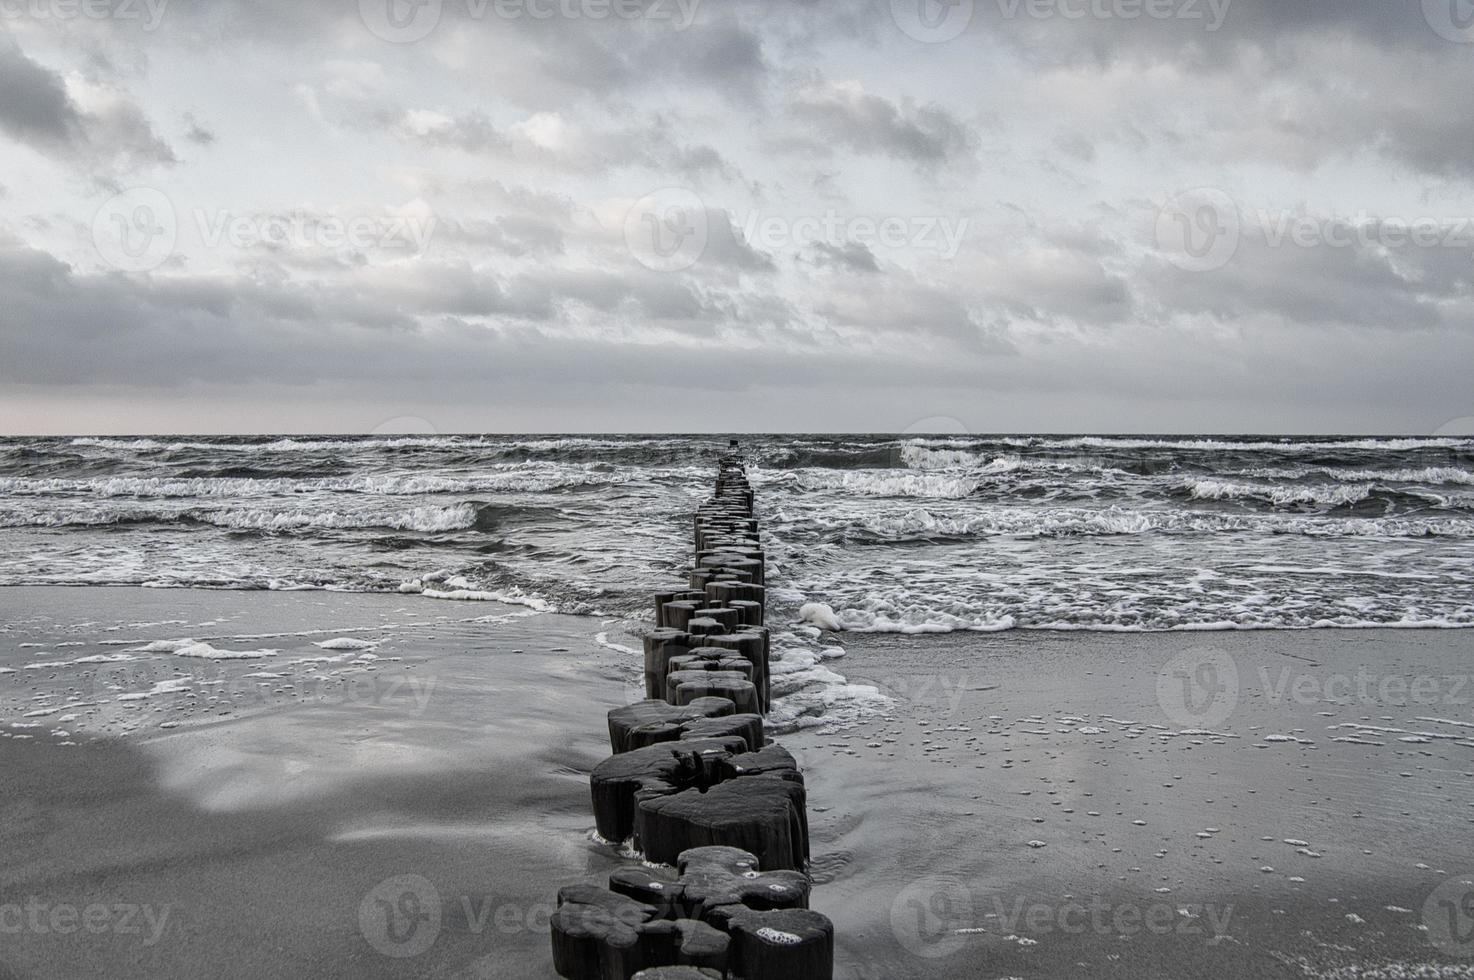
[730, 215]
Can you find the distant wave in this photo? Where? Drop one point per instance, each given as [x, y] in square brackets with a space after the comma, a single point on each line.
[1427, 475]
[918, 523]
[517, 478]
[292, 445]
[1336, 495]
[923, 621]
[427, 519]
[274, 446]
[919, 457]
[889, 483]
[1201, 443]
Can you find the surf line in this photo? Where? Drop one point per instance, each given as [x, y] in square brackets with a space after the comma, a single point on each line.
[718, 812]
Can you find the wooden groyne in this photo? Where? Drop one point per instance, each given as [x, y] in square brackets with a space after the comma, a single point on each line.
[694, 783]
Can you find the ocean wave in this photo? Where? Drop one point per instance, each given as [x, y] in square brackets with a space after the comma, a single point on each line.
[888, 483]
[918, 618]
[898, 533]
[1335, 495]
[1424, 476]
[923, 524]
[1002, 608]
[499, 445]
[919, 457]
[1288, 444]
[982, 443]
[427, 519]
[277, 445]
[503, 478]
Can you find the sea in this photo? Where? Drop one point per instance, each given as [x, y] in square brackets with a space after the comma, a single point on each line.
[912, 533]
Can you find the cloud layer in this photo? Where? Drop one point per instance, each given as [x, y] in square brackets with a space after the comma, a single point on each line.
[1149, 215]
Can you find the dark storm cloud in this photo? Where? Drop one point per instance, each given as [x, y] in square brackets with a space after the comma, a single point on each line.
[1196, 32]
[854, 256]
[537, 61]
[37, 110]
[200, 135]
[530, 138]
[1367, 276]
[1298, 81]
[726, 246]
[410, 330]
[872, 124]
[724, 54]
[34, 106]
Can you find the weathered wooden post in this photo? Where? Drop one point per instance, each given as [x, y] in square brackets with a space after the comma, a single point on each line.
[694, 783]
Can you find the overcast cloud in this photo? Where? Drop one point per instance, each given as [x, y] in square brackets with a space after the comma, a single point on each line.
[1124, 215]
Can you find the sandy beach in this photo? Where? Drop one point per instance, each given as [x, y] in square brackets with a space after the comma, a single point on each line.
[264, 827]
[1268, 850]
[269, 832]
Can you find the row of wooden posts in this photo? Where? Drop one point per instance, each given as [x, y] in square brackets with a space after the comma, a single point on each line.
[694, 784]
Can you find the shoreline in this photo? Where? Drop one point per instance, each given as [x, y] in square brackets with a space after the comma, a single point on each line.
[280, 820]
[473, 598]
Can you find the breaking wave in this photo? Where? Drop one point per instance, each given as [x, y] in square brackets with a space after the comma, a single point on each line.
[914, 533]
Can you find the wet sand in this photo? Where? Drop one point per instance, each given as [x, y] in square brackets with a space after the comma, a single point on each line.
[264, 830]
[1265, 850]
[337, 821]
